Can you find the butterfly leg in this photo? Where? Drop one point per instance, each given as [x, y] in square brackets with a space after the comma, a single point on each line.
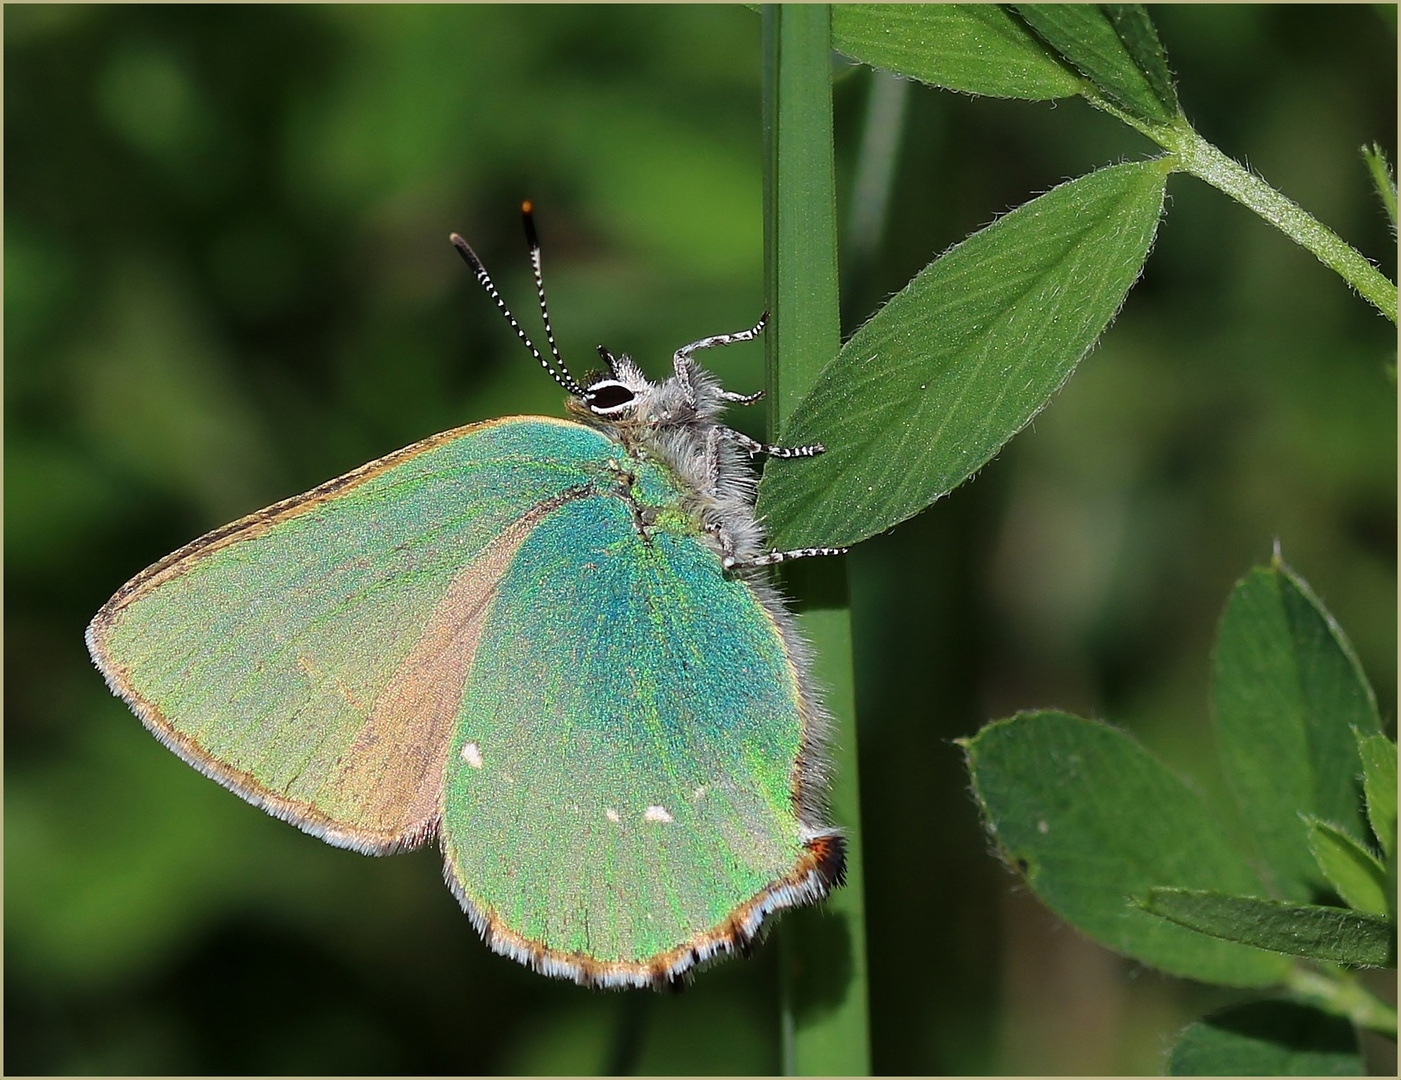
[683, 354]
[723, 538]
[755, 447]
[769, 558]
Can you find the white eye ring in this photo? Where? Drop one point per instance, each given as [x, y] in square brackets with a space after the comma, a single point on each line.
[609, 389]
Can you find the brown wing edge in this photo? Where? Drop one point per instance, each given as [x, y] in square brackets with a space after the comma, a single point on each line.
[301, 814]
[820, 869]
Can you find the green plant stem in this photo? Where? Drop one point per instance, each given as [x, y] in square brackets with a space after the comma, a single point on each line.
[822, 951]
[1382, 180]
[1193, 154]
[1196, 156]
[1340, 993]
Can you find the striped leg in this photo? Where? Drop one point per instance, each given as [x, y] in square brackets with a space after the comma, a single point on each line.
[772, 451]
[769, 558]
[683, 354]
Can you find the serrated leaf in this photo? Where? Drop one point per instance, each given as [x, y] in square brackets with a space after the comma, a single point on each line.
[1090, 818]
[1286, 688]
[1267, 1038]
[962, 358]
[975, 48]
[1378, 755]
[1308, 930]
[1351, 869]
[1089, 38]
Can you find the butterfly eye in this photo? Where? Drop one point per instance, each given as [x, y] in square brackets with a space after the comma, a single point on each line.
[608, 396]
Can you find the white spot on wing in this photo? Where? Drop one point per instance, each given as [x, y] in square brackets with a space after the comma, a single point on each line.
[612, 815]
[472, 754]
[657, 813]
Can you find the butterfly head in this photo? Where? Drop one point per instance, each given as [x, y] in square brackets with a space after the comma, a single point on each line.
[620, 396]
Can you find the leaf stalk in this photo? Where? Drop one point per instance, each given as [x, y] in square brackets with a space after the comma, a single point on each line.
[1341, 993]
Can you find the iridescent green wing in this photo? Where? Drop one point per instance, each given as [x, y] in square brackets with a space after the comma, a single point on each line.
[311, 657]
[621, 787]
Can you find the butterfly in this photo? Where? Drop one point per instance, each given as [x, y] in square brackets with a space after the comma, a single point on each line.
[548, 644]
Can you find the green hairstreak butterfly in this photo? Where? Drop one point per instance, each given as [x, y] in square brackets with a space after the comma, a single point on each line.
[549, 644]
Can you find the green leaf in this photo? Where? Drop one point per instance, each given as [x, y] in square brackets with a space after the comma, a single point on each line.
[975, 48]
[1286, 688]
[1378, 755]
[1350, 868]
[1115, 47]
[1140, 38]
[1308, 930]
[1267, 1038]
[962, 358]
[1090, 818]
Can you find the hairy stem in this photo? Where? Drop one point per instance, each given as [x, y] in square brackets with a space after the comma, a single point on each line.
[1340, 993]
[1198, 157]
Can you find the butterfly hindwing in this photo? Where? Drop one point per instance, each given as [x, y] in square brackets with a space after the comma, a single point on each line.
[621, 783]
[311, 657]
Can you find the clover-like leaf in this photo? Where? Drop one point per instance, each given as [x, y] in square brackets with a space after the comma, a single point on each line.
[1267, 1038]
[975, 48]
[1308, 930]
[1114, 46]
[1090, 818]
[1349, 867]
[1287, 689]
[962, 358]
[1378, 755]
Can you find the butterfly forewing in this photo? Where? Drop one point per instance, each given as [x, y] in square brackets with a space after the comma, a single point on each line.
[312, 657]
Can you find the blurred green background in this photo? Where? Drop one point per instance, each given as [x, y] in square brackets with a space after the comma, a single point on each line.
[227, 279]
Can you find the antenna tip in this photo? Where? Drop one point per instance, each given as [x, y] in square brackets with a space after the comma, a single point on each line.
[468, 255]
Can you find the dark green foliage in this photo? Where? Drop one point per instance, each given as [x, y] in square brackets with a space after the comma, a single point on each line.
[1378, 755]
[1115, 47]
[1267, 1038]
[1308, 930]
[975, 48]
[1089, 818]
[1117, 846]
[1286, 693]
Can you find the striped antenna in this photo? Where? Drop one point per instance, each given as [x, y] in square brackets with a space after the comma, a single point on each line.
[533, 239]
[560, 375]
